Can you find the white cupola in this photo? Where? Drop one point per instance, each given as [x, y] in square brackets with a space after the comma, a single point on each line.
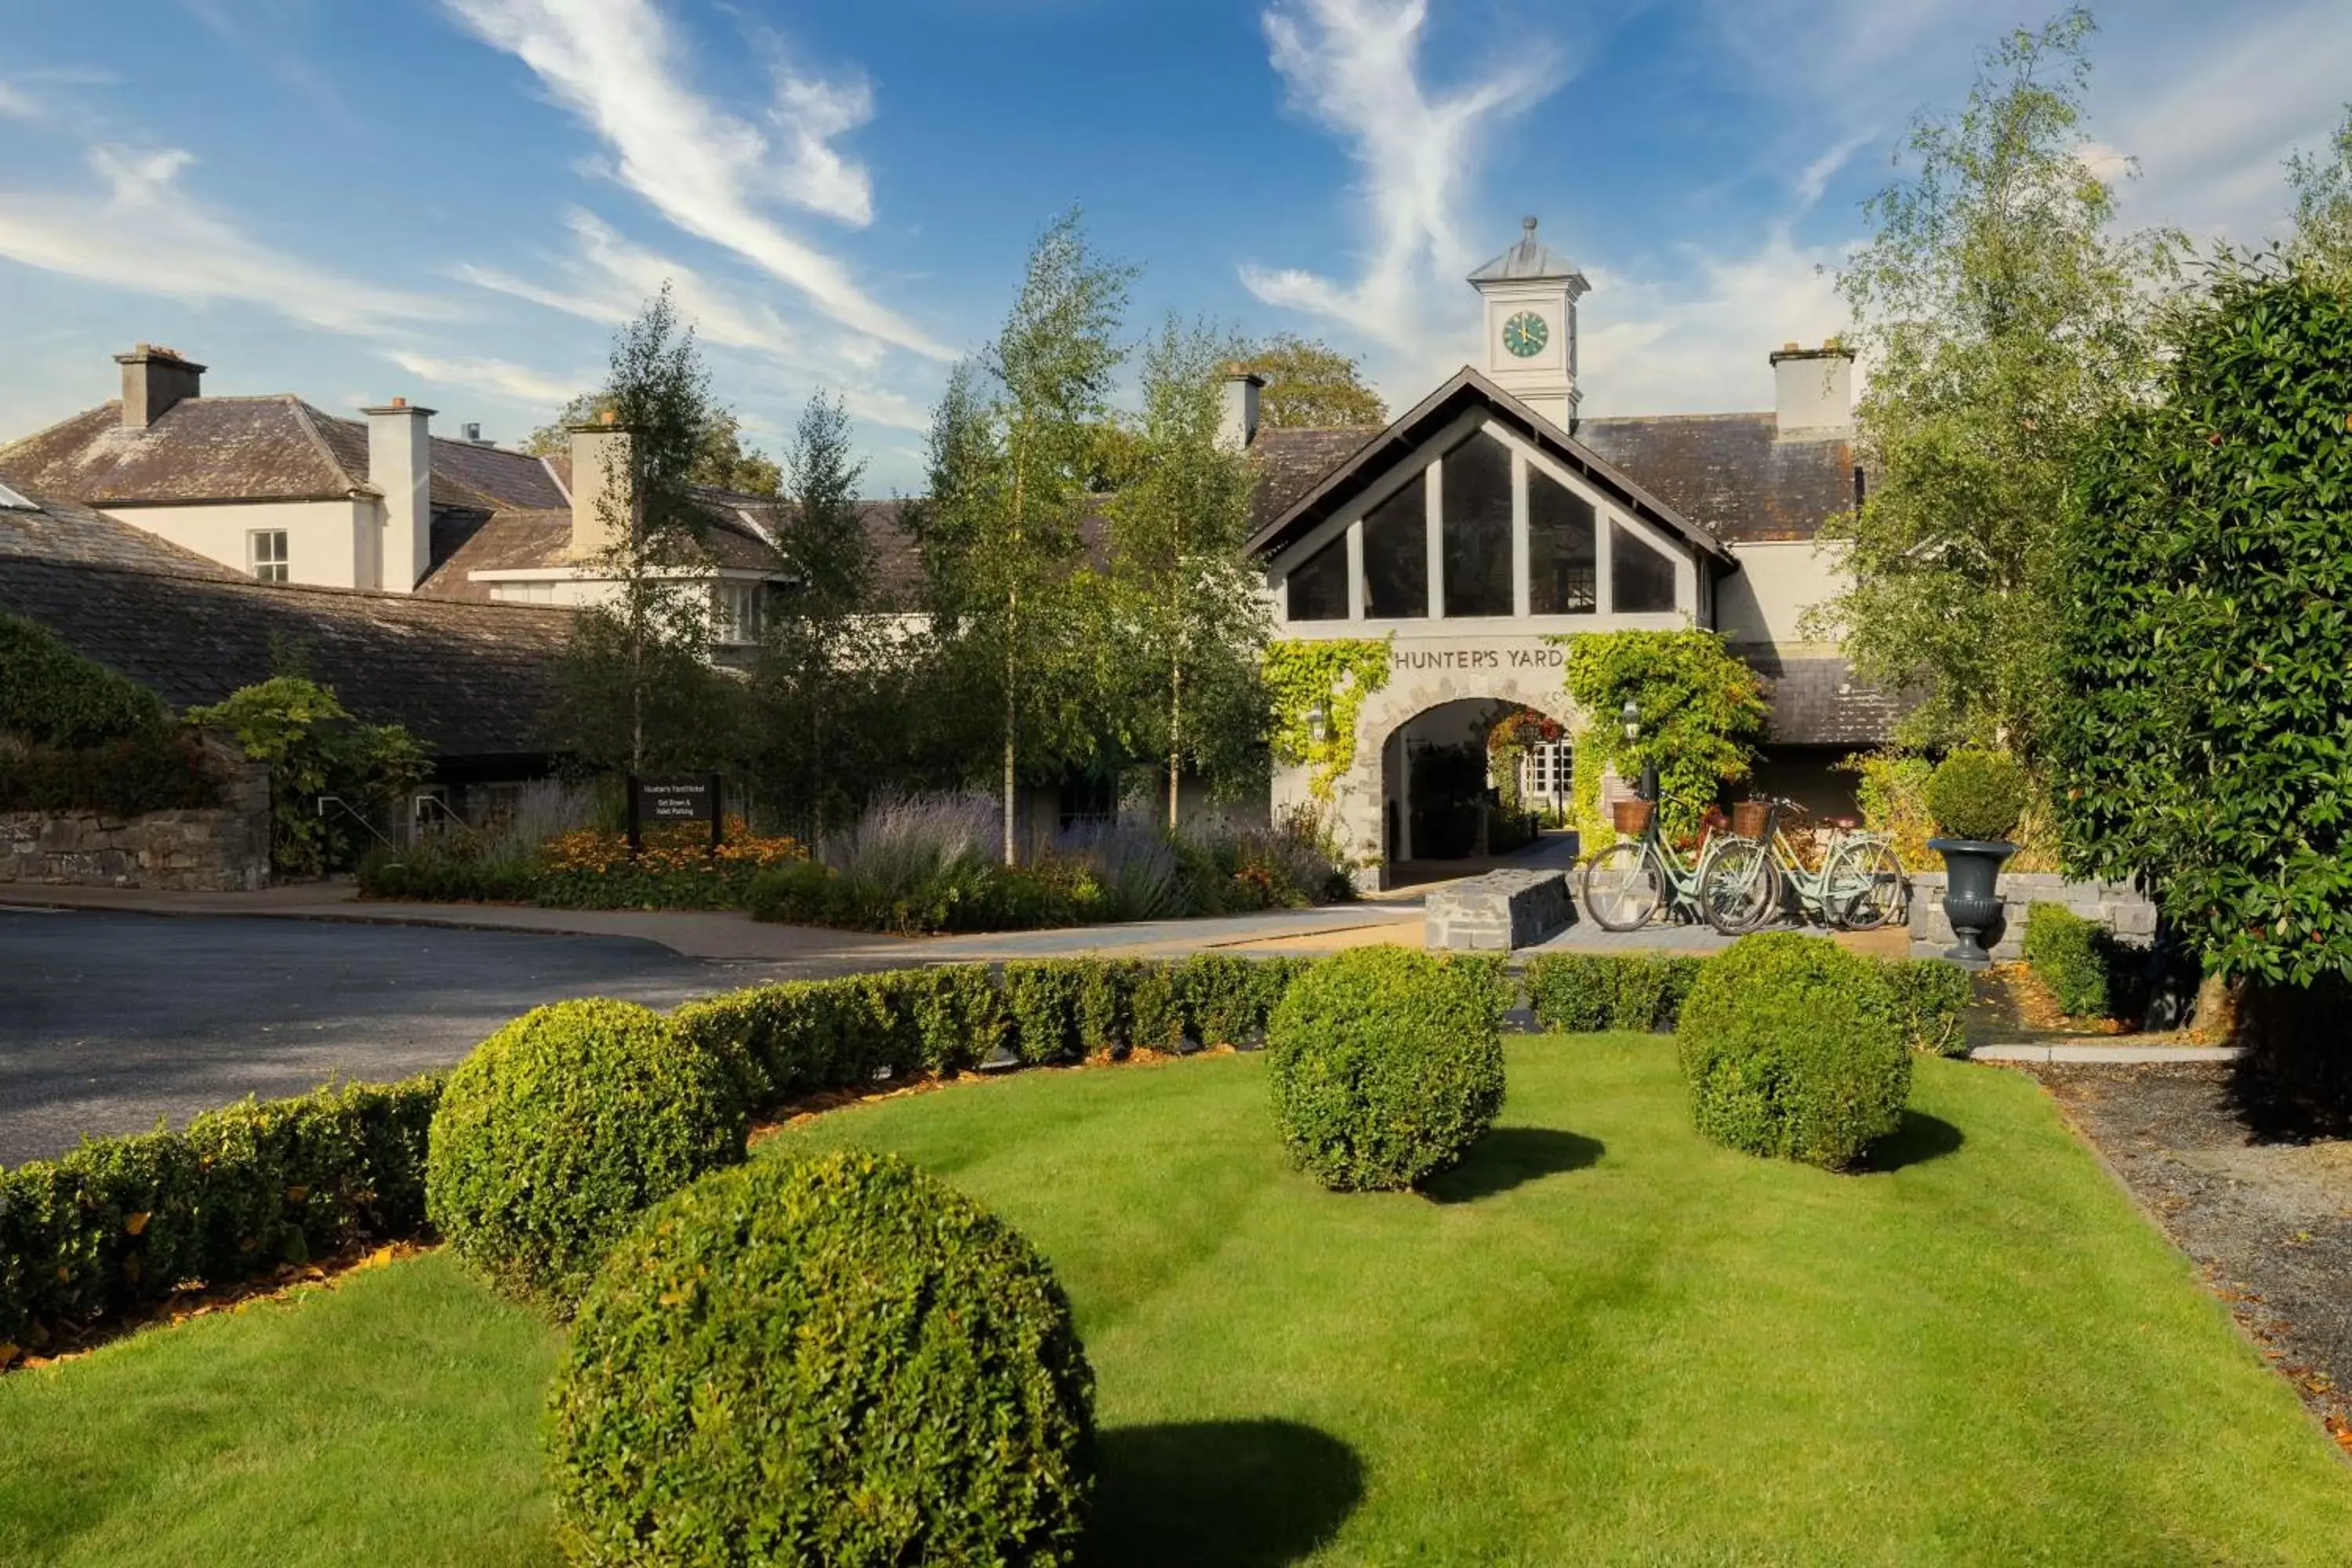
[1530, 294]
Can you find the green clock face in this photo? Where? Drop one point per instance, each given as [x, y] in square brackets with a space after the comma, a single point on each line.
[1525, 334]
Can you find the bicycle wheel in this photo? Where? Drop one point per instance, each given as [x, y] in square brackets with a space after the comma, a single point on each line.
[1864, 888]
[1624, 887]
[1740, 887]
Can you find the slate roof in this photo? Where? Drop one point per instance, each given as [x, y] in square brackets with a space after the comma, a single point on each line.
[470, 680]
[1528, 261]
[1730, 472]
[524, 538]
[1817, 702]
[1292, 462]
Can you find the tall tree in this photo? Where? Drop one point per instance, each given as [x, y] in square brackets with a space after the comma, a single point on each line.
[2001, 318]
[1311, 384]
[635, 688]
[1194, 624]
[1013, 443]
[2322, 182]
[723, 459]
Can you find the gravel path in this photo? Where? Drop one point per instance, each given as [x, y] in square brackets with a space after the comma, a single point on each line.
[2269, 1222]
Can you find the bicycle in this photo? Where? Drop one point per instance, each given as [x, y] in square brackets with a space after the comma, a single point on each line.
[1627, 885]
[1860, 887]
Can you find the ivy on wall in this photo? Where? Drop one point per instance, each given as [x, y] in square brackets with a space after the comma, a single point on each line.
[1508, 741]
[1339, 673]
[1702, 708]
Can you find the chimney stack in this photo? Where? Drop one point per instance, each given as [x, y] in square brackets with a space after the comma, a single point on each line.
[400, 464]
[604, 506]
[1237, 429]
[154, 379]
[1815, 390]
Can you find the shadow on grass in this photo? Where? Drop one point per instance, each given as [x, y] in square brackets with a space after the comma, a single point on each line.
[1509, 1157]
[1241, 1493]
[1919, 1138]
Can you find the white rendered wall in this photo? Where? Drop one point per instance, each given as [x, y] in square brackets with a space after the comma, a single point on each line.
[1765, 601]
[329, 543]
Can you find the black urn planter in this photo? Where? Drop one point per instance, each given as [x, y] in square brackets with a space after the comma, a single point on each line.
[1972, 896]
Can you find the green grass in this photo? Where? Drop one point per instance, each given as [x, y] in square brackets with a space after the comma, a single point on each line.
[1604, 1341]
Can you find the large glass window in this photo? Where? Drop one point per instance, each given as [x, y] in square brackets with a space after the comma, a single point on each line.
[1396, 555]
[1477, 527]
[1641, 580]
[1316, 588]
[1563, 555]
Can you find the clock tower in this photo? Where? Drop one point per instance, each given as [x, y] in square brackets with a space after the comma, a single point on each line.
[1530, 296]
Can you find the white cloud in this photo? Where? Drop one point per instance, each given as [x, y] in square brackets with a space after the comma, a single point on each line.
[1696, 343]
[16, 103]
[614, 64]
[611, 278]
[145, 233]
[1353, 66]
[812, 112]
[494, 375]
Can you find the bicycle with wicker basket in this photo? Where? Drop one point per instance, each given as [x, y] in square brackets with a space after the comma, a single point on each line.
[1860, 885]
[1633, 882]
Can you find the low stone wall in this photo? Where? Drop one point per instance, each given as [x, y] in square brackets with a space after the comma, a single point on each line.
[222, 849]
[1497, 912]
[2118, 906]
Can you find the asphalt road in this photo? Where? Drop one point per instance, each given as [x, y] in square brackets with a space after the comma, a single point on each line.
[111, 1021]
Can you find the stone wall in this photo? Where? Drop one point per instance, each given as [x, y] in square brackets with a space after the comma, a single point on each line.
[1497, 912]
[221, 849]
[2115, 905]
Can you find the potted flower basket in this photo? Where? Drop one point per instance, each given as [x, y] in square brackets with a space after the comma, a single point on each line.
[1976, 798]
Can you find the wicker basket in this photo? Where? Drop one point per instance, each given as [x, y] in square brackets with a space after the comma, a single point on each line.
[1749, 816]
[1632, 817]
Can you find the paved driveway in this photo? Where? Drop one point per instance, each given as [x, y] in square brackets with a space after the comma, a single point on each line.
[110, 1021]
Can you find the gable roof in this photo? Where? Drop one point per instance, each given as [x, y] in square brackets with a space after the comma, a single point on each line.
[1731, 472]
[1466, 389]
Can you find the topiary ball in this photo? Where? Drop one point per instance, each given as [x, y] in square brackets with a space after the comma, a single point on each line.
[1978, 795]
[822, 1358]
[1386, 1065]
[1794, 1049]
[561, 1129]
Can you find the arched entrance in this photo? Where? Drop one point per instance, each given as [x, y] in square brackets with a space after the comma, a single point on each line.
[1444, 791]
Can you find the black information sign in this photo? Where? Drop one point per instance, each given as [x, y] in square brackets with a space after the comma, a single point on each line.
[672, 800]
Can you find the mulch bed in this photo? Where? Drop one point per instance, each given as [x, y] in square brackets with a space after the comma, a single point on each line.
[2268, 1222]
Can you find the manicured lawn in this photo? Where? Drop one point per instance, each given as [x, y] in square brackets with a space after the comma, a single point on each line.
[1606, 1341]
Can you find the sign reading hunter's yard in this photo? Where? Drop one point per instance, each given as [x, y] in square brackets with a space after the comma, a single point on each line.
[1530, 655]
[672, 800]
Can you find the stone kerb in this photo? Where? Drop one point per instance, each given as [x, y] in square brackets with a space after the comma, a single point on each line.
[2118, 906]
[1497, 912]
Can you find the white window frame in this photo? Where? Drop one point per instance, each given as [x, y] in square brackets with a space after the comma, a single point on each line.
[735, 611]
[275, 566]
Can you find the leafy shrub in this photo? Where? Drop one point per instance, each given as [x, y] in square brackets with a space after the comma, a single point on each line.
[1978, 795]
[822, 1358]
[153, 771]
[561, 1127]
[1386, 1065]
[2072, 956]
[1703, 714]
[1582, 992]
[52, 696]
[803, 893]
[1228, 999]
[1930, 1000]
[312, 748]
[1792, 1050]
[120, 1223]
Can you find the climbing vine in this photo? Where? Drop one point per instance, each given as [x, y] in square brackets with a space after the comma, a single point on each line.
[1508, 741]
[1702, 711]
[1339, 673]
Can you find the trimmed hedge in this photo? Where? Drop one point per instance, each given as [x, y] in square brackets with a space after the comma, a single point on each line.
[130, 777]
[1792, 1050]
[2072, 955]
[121, 1223]
[1588, 992]
[53, 696]
[822, 1358]
[1978, 795]
[1386, 1065]
[561, 1128]
[1931, 1003]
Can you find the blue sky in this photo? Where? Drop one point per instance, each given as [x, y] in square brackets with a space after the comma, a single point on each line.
[454, 200]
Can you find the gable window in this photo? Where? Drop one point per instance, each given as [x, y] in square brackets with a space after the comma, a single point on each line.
[1563, 557]
[734, 612]
[1476, 534]
[1641, 579]
[1316, 588]
[1396, 554]
[265, 554]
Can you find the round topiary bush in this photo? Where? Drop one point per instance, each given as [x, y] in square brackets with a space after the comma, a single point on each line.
[822, 1358]
[561, 1129]
[1976, 795]
[1387, 1065]
[1793, 1050]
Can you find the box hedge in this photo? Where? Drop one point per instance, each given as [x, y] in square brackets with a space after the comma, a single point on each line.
[826, 1357]
[2072, 955]
[1587, 993]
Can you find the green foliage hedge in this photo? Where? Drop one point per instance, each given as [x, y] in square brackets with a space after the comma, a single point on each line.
[822, 1358]
[1386, 1065]
[1792, 1050]
[52, 696]
[1978, 795]
[120, 1223]
[2072, 956]
[1587, 993]
[153, 771]
[1703, 715]
[560, 1129]
[1931, 1000]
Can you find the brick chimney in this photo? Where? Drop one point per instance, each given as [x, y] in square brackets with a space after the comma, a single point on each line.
[154, 379]
[1814, 392]
[1238, 429]
[605, 506]
[400, 464]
